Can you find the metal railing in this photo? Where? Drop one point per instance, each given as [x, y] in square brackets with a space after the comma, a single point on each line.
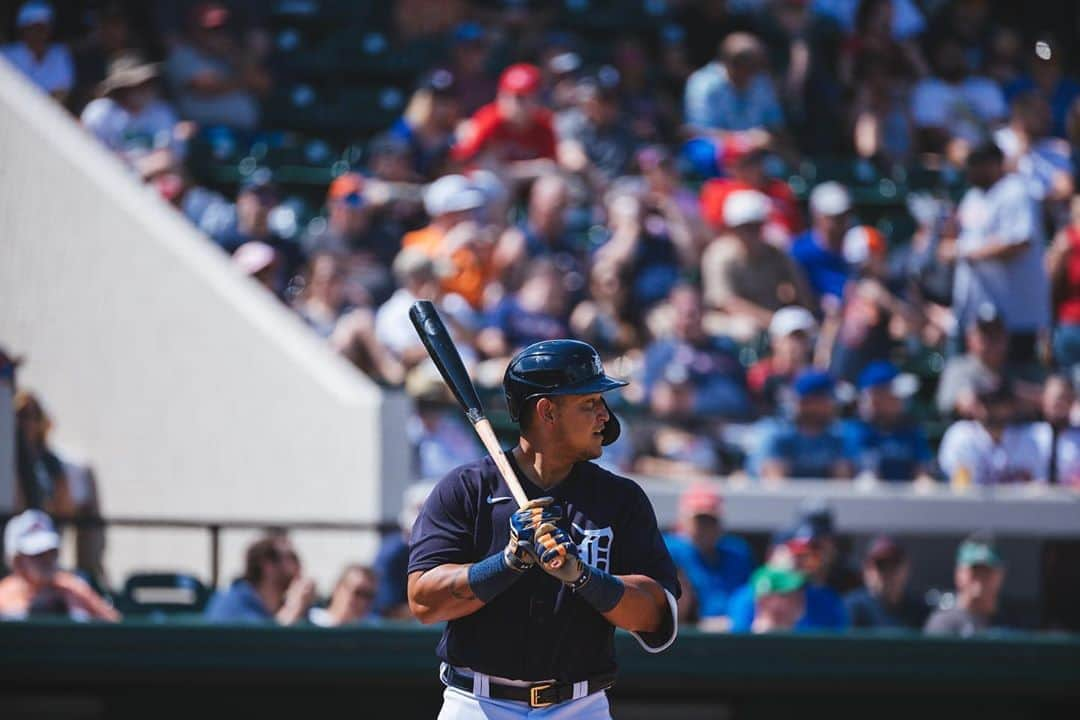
[214, 528]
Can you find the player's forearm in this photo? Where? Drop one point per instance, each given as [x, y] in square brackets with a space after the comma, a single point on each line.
[642, 606]
[442, 593]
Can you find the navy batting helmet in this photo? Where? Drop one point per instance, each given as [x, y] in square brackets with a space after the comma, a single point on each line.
[558, 367]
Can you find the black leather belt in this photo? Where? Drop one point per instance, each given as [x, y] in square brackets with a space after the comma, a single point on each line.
[537, 695]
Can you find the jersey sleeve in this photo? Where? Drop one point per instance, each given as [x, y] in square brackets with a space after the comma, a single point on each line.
[442, 532]
[646, 553]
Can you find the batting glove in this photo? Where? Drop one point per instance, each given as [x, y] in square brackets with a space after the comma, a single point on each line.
[522, 552]
[555, 544]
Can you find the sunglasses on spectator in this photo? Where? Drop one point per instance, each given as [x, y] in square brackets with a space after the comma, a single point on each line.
[364, 593]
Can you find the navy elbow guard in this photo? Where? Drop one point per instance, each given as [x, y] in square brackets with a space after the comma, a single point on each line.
[491, 576]
[600, 589]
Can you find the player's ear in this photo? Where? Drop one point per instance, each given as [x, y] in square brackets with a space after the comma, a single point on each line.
[545, 409]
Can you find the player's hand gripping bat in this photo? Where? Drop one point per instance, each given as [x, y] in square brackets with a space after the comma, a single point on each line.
[429, 326]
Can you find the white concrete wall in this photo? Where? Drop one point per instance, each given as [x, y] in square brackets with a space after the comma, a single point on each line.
[191, 390]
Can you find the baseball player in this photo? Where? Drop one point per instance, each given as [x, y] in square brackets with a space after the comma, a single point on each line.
[525, 638]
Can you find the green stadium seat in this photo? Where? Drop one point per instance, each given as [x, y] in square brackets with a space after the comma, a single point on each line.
[159, 594]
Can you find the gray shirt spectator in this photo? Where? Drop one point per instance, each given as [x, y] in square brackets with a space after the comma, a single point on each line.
[1000, 247]
[213, 82]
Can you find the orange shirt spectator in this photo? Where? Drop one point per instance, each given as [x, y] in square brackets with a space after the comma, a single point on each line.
[512, 128]
[453, 237]
[747, 172]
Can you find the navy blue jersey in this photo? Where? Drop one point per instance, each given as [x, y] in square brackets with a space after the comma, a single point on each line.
[537, 629]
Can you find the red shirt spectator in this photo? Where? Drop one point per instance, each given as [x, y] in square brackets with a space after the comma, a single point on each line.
[514, 127]
[1067, 278]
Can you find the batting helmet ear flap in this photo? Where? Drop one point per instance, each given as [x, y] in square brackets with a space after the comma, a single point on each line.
[612, 427]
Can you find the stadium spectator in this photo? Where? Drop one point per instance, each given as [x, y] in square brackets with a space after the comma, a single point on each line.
[745, 277]
[605, 318]
[469, 48]
[991, 449]
[321, 302]
[955, 110]
[214, 81]
[794, 551]
[882, 130]
[883, 442]
[271, 590]
[454, 238]
[779, 599]
[46, 64]
[1063, 268]
[1000, 248]
[428, 124]
[791, 340]
[1044, 162]
[206, 209]
[57, 483]
[352, 228]
[513, 129]
[650, 240]
[807, 444]
[351, 600]
[392, 559]
[883, 601]
[129, 117]
[873, 315]
[979, 575]
[109, 37]
[1057, 435]
[258, 260]
[713, 562]
[1046, 76]
[745, 168]
[906, 23]
[986, 340]
[820, 250]
[732, 99]
[594, 129]
[542, 232]
[37, 587]
[537, 311]
[437, 437]
[690, 373]
[418, 277]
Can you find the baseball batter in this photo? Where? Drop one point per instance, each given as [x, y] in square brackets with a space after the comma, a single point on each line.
[523, 637]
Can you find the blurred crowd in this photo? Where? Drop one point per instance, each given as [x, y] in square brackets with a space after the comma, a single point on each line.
[804, 582]
[665, 195]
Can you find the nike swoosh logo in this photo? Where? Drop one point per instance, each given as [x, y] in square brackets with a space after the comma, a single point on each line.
[493, 500]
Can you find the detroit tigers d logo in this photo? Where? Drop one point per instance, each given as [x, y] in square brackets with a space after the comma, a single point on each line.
[595, 546]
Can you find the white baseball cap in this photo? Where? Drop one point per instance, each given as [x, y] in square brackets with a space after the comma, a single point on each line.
[452, 193]
[791, 319]
[743, 207]
[830, 198]
[34, 13]
[30, 533]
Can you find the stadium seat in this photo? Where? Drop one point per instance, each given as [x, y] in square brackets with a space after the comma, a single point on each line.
[162, 593]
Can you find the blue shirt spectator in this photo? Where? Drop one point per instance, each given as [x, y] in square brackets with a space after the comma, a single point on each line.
[692, 373]
[882, 442]
[733, 93]
[819, 250]
[272, 589]
[714, 564]
[891, 454]
[809, 445]
[239, 603]
[824, 610]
